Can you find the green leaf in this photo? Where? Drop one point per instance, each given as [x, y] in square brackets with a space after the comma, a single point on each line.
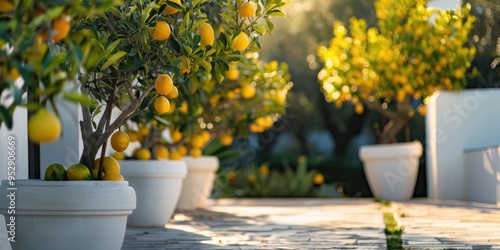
[206, 65]
[276, 12]
[110, 47]
[84, 100]
[16, 92]
[270, 25]
[218, 74]
[193, 83]
[133, 65]
[260, 28]
[5, 117]
[112, 59]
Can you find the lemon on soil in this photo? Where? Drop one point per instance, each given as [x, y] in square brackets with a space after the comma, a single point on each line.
[78, 172]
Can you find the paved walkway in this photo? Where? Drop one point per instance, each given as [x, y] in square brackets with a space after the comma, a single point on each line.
[322, 224]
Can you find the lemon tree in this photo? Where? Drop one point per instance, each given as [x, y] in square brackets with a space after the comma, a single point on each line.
[413, 52]
[40, 54]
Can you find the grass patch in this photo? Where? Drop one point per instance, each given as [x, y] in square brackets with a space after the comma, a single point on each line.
[393, 231]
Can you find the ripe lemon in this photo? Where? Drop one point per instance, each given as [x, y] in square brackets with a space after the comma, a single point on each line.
[60, 29]
[161, 152]
[184, 107]
[358, 108]
[247, 91]
[162, 105]
[255, 128]
[205, 135]
[120, 141]
[175, 155]
[112, 176]
[55, 172]
[318, 179]
[143, 130]
[110, 165]
[132, 135]
[161, 32]
[119, 156]
[184, 66]
[78, 172]
[6, 6]
[143, 154]
[232, 74]
[44, 127]
[207, 34]
[247, 9]
[164, 84]
[195, 152]
[182, 150]
[241, 42]
[170, 10]
[226, 139]
[174, 93]
[175, 134]
[280, 98]
[197, 141]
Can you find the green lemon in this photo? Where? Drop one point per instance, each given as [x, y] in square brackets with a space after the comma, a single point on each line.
[78, 172]
[55, 172]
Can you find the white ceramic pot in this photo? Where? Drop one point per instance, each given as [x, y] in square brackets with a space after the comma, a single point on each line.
[199, 181]
[61, 215]
[158, 185]
[391, 169]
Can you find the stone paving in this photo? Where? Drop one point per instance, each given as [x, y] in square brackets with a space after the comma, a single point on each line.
[322, 224]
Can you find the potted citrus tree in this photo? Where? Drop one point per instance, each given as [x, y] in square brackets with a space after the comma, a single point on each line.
[201, 44]
[246, 101]
[413, 52]
[42, 55]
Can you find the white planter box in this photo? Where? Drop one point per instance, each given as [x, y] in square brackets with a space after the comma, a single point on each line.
[482, 177]
[199, 181]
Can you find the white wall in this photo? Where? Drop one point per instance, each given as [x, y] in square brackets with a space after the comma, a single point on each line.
[20, 133]
[443, 4]
[457, 121]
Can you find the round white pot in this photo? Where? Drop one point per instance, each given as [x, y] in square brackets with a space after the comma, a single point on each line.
[61, 215]
[391, 169]
[158, 185]
[199, 181]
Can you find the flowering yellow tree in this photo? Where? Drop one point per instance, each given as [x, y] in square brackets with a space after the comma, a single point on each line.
[413, 52]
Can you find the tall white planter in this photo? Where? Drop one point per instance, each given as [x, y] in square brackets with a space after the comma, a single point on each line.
[199, 181]
[158, 185]
[62, 215]
[391, 169]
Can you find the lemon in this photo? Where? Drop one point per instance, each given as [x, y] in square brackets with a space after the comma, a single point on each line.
[175, 155]
[247, 91]
[162, 105]
[112, 176]
[161, 152]
[197, 141]
[226, 139]
[170, 10]
[162, 31]
[118, 156]
[358, 108]
[164, 84]
[182, 150]
[6, 6]
[195, 152]
[132, 135]
[184, 107]
[232, 74]
[175, 134]
[143, 154]
[44, 127]
[242, 42]
[255, 128]
[205, 135]
[120, 141]
[247, 9]
[78, 172]
[143, 130]
[60, 29]
[110, 165]
[207, 34]
[318, 179]
[174, 93]
[55, 172]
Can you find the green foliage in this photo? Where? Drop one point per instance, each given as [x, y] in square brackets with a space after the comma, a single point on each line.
[260, 181]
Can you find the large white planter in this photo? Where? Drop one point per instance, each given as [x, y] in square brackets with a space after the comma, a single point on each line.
[199, 181]
[62, 215]
[391, 169]
[158, 185]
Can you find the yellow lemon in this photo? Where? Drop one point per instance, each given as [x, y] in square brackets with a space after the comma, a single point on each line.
[195, 152]
[197, 141]
[110, 165]
[162, 105]
[170, 10]
[120, 141]
[174, 93]
[143, 130]
[318, 179]
[164, 84]
[226, 139]
[112, 176]
[207, 34]
[182, 150]
[132, 135]
[175, 155]
[248, 91]
[161, 152]
[143, 154]
[358, 108]
[162, 31]
[184, 107]
[60, 29]
[242, 42]
[205, 135]
[55, 172]
[175, 134]
[44, 127]
[78, 172]
[118, 156]
[247, 9]
[232, 74]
